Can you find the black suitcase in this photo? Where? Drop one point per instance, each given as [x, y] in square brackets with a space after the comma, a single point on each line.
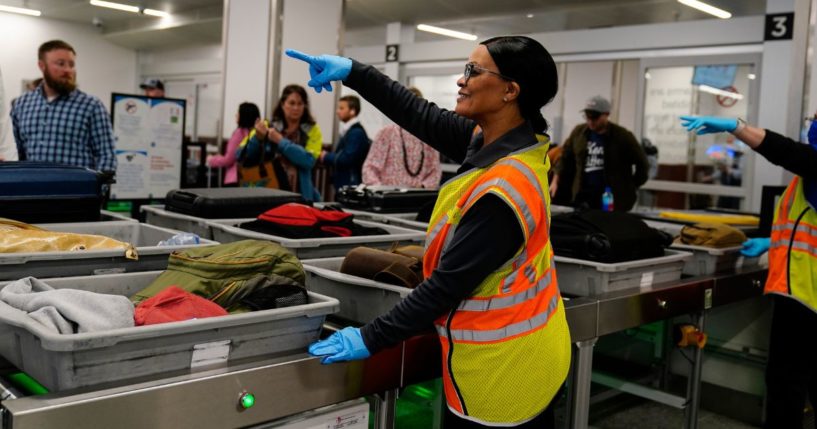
[385, 199]
[594, 235]
[41, 192]
[224, 203]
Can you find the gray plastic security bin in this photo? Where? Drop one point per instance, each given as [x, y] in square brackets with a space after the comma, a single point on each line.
[710, 260]
[361, 300]
[227, 231]
[158, 216]
[62, 362]
[107, 215]
[587, 278]
[403, 220]
[81, 263]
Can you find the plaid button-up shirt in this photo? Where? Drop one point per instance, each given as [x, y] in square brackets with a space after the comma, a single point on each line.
[72, 129]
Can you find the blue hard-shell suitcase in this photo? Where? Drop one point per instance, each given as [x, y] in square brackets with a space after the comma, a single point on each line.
[40, 192]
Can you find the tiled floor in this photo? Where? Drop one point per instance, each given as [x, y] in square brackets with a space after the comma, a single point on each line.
[657, 416]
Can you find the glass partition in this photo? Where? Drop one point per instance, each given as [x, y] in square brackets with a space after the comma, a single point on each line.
[712, 168]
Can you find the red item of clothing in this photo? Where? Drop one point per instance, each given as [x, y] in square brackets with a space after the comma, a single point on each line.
[387, 164]
[175, 304]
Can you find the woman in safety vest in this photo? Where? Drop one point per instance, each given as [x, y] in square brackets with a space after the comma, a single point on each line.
[791, 372]
[489, 290]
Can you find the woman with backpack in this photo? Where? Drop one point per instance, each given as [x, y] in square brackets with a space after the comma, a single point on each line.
[498, 313]
[293, 140]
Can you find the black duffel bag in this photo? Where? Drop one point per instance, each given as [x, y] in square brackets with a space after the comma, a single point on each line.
[599, 236]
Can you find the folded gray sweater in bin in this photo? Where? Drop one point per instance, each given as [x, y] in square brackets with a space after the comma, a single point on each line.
[68, 311]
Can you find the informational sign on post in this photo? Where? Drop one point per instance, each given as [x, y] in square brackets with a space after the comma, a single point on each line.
[149, 134]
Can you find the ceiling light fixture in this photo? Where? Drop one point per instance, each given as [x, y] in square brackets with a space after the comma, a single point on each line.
[530, 15]
[447, 32]
[720, 92]
[703, 7]
[129, 8]
[117, 6]
[154, 12]
[20, 10]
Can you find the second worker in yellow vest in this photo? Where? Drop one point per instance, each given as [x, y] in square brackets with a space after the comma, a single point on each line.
[791, 371]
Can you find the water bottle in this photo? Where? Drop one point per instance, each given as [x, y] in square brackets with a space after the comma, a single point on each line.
[607, 199]
[181, 239]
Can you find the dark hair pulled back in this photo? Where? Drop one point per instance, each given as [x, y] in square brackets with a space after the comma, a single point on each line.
[530, 65]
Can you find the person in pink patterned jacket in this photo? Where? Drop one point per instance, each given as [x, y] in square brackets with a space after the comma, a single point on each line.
[247, 114]
[397, 158]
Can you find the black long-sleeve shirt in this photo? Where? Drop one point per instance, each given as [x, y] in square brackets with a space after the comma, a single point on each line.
[799, 158]
[488, 235]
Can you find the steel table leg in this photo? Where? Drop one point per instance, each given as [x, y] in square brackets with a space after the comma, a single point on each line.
[578, 388]
[385, 409]
[694, 382]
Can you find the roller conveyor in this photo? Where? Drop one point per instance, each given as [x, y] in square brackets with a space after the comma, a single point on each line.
[288, 385]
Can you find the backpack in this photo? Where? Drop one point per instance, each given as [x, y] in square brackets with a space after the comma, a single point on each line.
[242, 276]
[595, 235]
[295, 220]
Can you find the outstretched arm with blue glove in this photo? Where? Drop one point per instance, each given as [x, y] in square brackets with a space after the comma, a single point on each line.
[748, 134]
[323, 69]
[442, 129]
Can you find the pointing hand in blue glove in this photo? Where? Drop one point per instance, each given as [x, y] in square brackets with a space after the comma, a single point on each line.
[709, 124]
[323, 69]
[346, 344]
[755, 247]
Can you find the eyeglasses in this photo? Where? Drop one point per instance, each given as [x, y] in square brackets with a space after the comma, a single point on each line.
[472, 69]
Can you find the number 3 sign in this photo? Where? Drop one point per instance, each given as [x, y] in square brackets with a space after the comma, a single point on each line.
[779, 26]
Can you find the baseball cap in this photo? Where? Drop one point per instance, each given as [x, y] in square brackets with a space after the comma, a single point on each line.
[152, 83]
[597, 104]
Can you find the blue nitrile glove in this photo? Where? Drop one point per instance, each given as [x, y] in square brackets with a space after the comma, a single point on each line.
[323, 69]
[755, 247]
[346, 344]
[709, 124]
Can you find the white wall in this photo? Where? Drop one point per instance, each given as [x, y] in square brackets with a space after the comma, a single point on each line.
[182, 70]
[247, 54]
[583, 81]
[314, 27]
[102, 67]
[188, 61]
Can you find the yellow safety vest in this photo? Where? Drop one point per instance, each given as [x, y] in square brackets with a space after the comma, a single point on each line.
[793, 250]
[506, 349]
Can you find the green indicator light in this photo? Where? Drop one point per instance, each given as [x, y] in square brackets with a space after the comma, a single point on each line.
[247, 400]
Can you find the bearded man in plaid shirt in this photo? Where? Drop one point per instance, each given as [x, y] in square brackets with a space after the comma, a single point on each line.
[58, 123]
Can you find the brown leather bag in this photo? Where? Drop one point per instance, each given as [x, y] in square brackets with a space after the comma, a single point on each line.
[400, 266]
[711, 235]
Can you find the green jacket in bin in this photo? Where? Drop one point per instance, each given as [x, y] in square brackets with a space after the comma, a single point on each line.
[241, 276]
